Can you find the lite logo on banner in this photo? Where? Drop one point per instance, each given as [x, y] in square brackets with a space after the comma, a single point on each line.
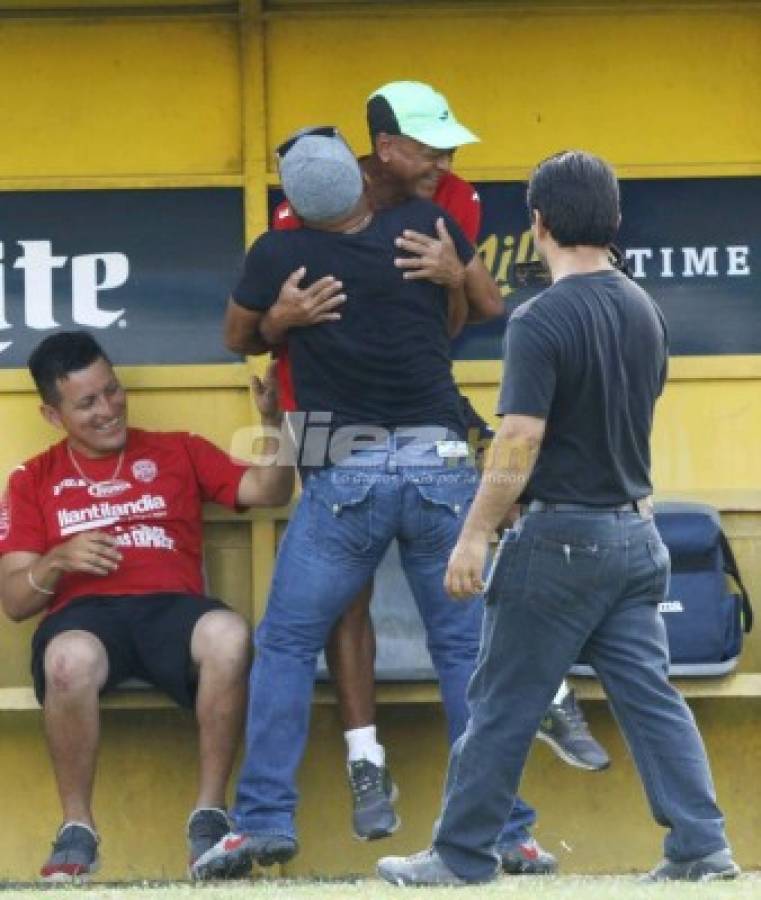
[147, 271]
[90, 275]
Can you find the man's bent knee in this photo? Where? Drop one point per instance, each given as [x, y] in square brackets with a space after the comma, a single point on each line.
[221, 636]
[75, 661]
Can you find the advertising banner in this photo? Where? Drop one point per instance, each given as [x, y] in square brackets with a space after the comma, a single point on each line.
[147, 271]
[693, 243]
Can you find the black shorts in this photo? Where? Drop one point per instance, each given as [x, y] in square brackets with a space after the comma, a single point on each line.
[146, 636]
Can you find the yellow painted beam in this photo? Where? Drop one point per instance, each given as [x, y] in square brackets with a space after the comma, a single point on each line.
[253, 121]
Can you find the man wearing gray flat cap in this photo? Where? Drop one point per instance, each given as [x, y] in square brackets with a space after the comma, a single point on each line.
[395, 466]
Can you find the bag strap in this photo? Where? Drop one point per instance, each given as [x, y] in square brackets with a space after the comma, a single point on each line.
[730, 567]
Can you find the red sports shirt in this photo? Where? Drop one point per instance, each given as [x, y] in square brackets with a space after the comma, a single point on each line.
[453, 194]
[152, 507]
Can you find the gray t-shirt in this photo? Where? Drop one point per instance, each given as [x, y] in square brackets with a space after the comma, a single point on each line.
[589, 355]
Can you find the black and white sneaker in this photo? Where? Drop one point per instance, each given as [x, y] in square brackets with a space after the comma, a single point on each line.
[74, 857]
[565, 729]
[234, 855]
[373, 795]
[206, 827]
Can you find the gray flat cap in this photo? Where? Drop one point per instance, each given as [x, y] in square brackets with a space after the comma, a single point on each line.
[321, 178]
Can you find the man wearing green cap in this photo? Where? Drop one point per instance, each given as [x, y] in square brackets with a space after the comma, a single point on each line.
[414, 134]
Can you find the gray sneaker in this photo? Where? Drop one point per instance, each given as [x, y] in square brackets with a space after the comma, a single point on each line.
[74, 857]
[206, 827]
[426, 868]
[373, 794]
[718, 866]
[565, 729]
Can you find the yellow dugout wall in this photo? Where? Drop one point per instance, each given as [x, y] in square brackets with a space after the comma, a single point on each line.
[197, 94]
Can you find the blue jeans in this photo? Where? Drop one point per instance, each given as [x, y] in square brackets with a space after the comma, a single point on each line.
[340, 530]
[566, 586]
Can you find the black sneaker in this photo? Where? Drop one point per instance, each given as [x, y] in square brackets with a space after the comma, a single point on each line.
[373, 794]
[74, 857]
[566, 731]
[718, 866]
[526, 857]
[206, 827]
[235, 854]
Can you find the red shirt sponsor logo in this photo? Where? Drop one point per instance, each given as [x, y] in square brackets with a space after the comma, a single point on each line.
[104, 489]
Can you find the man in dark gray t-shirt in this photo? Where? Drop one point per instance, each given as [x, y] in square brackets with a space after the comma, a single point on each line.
[581, 574]
[588, 355]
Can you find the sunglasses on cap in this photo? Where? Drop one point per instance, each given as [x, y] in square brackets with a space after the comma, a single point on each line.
[318, 131]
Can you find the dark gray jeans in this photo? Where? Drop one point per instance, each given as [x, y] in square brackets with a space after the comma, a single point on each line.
[568, 586]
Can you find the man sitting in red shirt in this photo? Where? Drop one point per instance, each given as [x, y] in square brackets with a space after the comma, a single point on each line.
[102, 534]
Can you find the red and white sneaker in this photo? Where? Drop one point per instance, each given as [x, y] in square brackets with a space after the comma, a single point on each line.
[527, 858]
[235, 854]
[74, 857]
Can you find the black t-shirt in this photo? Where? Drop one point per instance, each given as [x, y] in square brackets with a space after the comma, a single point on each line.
[386, 362]
[589, 355]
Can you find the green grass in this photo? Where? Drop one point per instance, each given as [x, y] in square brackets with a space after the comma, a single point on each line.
[618, 887]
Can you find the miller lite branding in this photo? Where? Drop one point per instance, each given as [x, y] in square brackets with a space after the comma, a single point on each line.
[114, 262]
[90, 274]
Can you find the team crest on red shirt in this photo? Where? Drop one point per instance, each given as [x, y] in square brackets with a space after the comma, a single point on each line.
[145, 470]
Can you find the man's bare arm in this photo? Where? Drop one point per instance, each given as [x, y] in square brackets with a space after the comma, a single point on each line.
[242, 333]
[509, 464]
[473, 293]
[267, 484]
[484, 299]
[457, 314]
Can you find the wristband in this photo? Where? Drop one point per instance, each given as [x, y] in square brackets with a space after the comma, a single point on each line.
[33, 584]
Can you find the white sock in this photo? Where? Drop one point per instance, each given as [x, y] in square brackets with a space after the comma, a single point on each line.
[361, 743]
[563, 692]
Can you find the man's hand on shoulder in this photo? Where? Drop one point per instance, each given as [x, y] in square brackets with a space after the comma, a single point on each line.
[298, 307]
[433, 258]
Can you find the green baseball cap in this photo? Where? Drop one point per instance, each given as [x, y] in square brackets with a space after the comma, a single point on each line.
[417, 111]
